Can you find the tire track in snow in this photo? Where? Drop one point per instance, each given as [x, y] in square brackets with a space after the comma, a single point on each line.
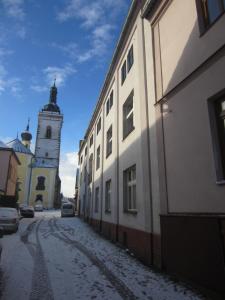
[120, 287]
[41, 285]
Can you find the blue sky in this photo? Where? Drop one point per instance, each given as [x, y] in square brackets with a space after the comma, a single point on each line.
[71, 39]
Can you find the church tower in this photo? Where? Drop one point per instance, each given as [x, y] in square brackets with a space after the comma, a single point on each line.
[50, 119]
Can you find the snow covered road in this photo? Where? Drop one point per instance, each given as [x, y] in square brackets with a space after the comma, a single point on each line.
[54, 258]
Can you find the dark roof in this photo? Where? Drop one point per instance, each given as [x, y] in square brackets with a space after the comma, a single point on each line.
[53, 107]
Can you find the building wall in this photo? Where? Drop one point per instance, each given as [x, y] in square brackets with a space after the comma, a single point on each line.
[24, 172]
[4, 167]
[48, 193]
[189, 71]
[12, 176]
[126, 226]
[187, 144]
[182, 47]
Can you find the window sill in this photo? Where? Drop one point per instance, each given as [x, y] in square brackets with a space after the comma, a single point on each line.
[131, 211]
[220, 182]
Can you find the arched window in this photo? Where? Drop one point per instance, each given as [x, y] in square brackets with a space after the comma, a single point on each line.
[40, 183]
[39, 198]
[48, 134]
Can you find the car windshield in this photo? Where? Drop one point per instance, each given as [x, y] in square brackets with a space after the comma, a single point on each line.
[67, 206]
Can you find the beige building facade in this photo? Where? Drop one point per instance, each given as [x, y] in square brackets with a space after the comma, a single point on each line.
[115, 192]
[9, 163]
[152, 162]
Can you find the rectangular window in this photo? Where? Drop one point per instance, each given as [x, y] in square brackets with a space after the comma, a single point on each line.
[90, 168]
[98, 158]
[108, 196]
[128, 116]
[111, 98]
[209, 11]
[129, 185]
[218, 134]
[107, 107]
[96, 199]
[91, 140]
[81, 159]
[109, 141]
[123, 72]
[85, 151]
[99, 125]
[130, 59]
[109, 103]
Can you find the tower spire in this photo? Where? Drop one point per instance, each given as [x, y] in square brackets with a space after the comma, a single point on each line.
[53, 93]
[28, 125]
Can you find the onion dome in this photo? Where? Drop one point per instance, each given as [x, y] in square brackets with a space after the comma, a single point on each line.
[26, 135]
[52, 105]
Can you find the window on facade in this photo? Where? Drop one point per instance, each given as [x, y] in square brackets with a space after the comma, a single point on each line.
[48, 133]
[81, 159]
[109, 103]
[130, 58]
[96, 199]
[123, 72]
[129, 185]
[109, 141]
[40, 183]
[91, 140]
[108, 196]
[90, 168]
[98, 158]
[219, 108]
[39, 198]
[85, 151]
[99, 125]
[210, 10]
[128, 116]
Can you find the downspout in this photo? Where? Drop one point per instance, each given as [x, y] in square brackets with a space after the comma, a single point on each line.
[93, 173]
[31, 168]
[117, 156]
[148, 143]
[6, 184]
[103, 134]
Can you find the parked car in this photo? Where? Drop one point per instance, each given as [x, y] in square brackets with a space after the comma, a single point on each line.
[27, 211]
[9, 219]
[67, 210]
[38, 207]
[1, 235]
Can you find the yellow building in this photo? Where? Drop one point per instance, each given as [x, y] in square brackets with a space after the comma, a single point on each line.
[24, 170]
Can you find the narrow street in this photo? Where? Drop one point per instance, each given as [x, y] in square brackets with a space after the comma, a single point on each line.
[63, 258]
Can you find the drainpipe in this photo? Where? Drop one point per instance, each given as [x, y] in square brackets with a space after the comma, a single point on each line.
[148, 143]
[103, 134]
[31, 169]
[117, 156]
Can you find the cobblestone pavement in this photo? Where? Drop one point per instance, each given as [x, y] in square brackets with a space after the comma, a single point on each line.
[63, 258]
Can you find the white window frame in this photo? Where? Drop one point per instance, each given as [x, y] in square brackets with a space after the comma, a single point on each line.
[130, 194]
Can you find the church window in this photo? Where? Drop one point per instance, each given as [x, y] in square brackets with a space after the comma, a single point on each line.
[39, 198]
[48, 134]
[41, 183]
